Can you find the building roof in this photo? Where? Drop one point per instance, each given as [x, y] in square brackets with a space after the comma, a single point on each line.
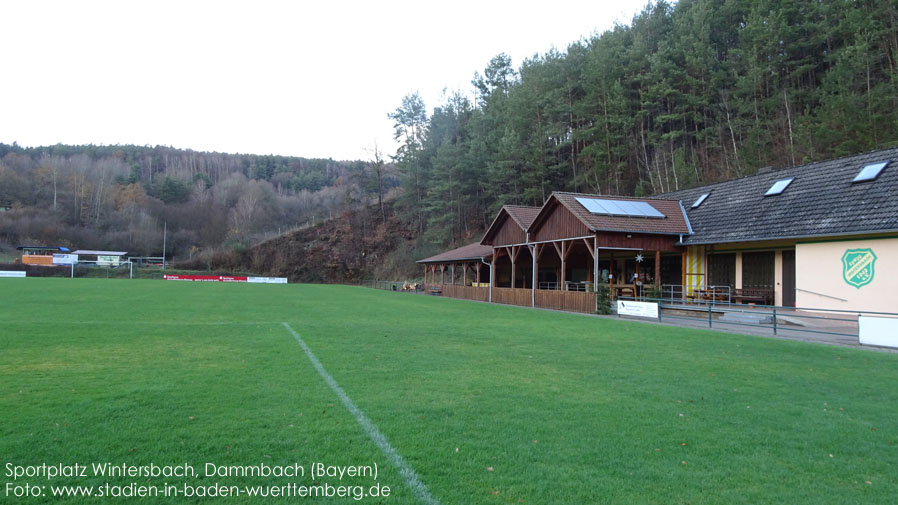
[43, 248]
[822, 200]
[673, 223]
[522, 215]
[468, 252]
[100, 253]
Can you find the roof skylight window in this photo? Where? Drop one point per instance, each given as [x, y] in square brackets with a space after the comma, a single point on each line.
[779, 186]
[700, 200]
[870, 172]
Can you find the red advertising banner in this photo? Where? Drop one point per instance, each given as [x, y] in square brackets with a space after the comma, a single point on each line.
[204, 278]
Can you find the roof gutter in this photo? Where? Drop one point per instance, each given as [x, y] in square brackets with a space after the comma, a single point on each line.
[490, 265]
[686, 218]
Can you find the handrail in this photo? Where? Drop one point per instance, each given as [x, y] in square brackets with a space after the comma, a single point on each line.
[821, 294]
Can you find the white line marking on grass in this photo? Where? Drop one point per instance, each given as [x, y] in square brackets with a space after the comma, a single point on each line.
[411, 478]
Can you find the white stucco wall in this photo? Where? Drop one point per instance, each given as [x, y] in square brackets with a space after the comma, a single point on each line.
[820, 277]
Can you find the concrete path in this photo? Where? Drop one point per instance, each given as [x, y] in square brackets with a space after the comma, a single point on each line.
[839, 329]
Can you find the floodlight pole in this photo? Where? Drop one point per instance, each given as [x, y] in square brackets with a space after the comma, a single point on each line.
[164, 233]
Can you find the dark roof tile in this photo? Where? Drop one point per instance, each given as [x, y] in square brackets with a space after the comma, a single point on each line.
[821, 201]
[468, 252]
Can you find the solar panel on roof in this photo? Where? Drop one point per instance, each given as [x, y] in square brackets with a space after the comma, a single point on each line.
[779, 186]
[870, 172]
[619, 208]
[700, 200]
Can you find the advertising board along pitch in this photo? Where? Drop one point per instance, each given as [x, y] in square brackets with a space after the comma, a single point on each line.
[226, 278]
[637, 309]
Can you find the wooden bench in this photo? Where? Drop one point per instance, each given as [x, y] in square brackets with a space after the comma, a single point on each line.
[708, 295]
[753, 295]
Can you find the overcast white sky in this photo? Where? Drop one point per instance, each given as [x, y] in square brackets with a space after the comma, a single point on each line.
[312, 79]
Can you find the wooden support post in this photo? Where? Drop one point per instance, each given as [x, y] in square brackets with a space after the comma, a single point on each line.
[561, 259]
[465, 279]
[515, 250]
[442, 274]
[657, 269]
[534, 275]
[683, 274]
[590, 245]
[611, 275]
[563, 267]
[477, 271]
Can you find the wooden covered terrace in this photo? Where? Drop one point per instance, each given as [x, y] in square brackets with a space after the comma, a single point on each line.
[463, 272]
[556, 255]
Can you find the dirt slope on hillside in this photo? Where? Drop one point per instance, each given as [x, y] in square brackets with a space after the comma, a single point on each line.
[348, 248]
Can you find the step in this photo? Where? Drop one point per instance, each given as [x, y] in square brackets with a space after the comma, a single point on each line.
[746, 318]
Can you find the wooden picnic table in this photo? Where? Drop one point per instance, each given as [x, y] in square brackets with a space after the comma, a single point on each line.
[620, 290]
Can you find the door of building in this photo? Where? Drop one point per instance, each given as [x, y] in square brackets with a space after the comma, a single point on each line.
[789, 278]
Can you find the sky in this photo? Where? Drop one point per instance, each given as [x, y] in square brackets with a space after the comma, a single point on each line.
[310, 79]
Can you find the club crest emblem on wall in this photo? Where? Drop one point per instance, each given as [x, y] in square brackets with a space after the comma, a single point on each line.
[857, 266]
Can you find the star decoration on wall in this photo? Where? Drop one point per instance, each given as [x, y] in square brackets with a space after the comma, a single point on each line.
[639, 258]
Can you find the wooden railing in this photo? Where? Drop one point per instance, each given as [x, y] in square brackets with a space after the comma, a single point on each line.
[512, 296]
[571, 301]
[466, 292]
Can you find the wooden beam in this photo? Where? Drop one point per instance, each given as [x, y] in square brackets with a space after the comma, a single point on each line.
[442, 274]
[657, 269]
[570, 247]
[589, 246]
[540, 249]
[464, 281]
[477, 270]
[558, 250]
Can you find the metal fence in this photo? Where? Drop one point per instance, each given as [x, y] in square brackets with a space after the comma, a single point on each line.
[712, 294]
[583, 286]
[403, 286]
[839, 326]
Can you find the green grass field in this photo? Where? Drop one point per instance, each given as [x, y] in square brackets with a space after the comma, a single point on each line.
[487, 404]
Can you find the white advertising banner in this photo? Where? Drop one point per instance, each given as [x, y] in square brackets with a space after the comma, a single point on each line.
[637, 309]
[9, 273]
[267, 280]
[65, 259]
[878, 330]
[108, 261]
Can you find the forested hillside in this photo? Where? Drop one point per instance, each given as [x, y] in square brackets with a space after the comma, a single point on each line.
[121, 197]
[687, 94]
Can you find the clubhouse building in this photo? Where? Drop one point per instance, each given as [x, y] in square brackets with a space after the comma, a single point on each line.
[822, 235]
